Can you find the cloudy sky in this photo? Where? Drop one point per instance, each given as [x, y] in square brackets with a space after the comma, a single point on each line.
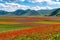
[12, 5]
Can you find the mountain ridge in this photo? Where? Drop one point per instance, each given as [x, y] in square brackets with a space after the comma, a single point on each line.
[28, 12]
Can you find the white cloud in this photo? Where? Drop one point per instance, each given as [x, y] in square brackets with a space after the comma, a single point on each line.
[41, 8]
[50, 2]
[22, 0]
[34, 1]
[12, 6]
[12, 0]
[53, 3]
[15, 6]
[17, 0]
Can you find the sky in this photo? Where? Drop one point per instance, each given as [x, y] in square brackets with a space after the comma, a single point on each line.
[13, 5]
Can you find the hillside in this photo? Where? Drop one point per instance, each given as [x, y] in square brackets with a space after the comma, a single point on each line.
[28, 12]
[55, 13]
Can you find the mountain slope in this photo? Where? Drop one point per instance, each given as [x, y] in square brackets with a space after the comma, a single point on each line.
[32, 13]
[28, 12]
[55, 13]
[20, 13]
[3, 12]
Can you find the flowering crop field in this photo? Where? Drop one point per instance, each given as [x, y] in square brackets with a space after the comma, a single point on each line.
[29, 28]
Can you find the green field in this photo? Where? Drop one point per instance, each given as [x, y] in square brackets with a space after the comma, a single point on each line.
[5, 28]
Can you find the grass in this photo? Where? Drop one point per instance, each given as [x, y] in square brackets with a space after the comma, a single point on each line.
[46, 22]
[38, 37]
[5, 27]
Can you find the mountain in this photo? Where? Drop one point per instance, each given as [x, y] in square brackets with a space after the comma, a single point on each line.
[28, 12]
[19, 12]
[44, 12]
[3, 12]
[55, 13]
[32, 13]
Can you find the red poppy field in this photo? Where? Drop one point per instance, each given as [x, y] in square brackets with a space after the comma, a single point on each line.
[29, 28]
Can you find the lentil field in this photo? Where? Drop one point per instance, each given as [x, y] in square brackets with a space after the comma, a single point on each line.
[29, 28]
